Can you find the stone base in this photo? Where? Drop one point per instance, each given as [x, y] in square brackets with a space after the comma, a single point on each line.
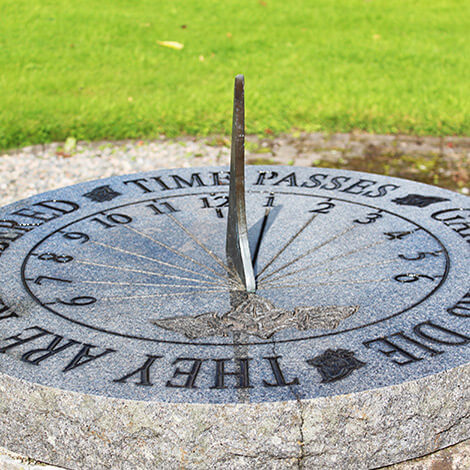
[362, 430]
[455, 457]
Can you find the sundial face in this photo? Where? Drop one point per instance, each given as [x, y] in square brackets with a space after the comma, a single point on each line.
[131, 307]
[122, 287]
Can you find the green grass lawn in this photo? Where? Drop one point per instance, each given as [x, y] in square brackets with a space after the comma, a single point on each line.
[94, 70]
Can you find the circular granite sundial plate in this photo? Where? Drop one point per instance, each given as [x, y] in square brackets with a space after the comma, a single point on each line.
[124, 336]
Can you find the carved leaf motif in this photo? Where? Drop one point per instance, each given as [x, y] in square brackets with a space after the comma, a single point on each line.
[256, 316]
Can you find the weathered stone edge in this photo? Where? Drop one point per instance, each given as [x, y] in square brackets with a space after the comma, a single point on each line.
[362, 430]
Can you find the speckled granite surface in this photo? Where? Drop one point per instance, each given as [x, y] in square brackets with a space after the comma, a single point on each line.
[41, 170]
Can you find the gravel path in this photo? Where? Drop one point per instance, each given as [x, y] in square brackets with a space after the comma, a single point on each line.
[443, 161]
[36, 169]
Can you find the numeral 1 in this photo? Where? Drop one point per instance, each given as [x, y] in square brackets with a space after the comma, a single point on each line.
[269, 201]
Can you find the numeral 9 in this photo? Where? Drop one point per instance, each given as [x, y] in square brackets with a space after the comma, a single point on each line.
[77, 236]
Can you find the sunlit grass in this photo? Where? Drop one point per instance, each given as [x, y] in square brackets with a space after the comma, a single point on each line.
[94, 70]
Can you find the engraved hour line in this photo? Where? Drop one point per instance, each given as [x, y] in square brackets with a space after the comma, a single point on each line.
[144, 284]
[199, 243]
[287, 244]
[312, 250]
[152, 273]
[334, 283]
[177, 252]
[173, 294]
[327, 260]
[332, 271]
[153, 260]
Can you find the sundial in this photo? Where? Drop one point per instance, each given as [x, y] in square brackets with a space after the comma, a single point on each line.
[246, 315]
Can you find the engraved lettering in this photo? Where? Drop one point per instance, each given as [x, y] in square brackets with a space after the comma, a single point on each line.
[65, 207]
[439, 334]
[457, 219]
[277, 373]
[195, 180]
[335, 183]
[242, 373]
[315, 182]
[181, 182]
[18, 341]
[13, 225]
[382, 190]
[263, 175]
[220, 178]
[58, 208]
[394, 348]
[327, 182]
[190, 374]
[358, 187]
[14, 230]
[36, 215]
[6, 312]
[425, 347]
[143, 372]
[290, 179]
[162, 185]
[462, 307]
[52, 349]
[426, 330]
[11, 237]
[139, 183]
[84, 356]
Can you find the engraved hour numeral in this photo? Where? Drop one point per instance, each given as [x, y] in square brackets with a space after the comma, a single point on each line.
[161, 208]
[269, 201]
[39, 280]
[76, 236]
[78, 301]
[54, 257]
[397, 235]
[369, 218]
[215, 202]
[323, 208]
[412, 277]
[420, 255]
[111, 220]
